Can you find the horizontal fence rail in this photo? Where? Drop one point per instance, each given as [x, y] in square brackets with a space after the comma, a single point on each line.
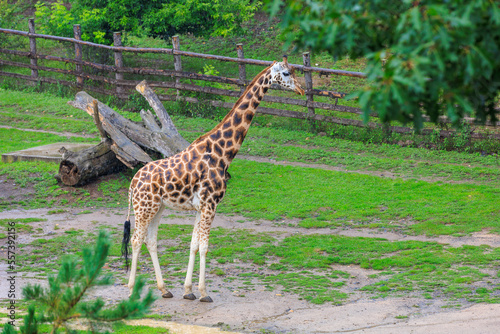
[120, 87]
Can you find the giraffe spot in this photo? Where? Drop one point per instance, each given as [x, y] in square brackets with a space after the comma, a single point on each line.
[156, 199]
[259, 97]
[146, 188]
[175, 194]
[212, 175]
[265, 89]
[168, 175]
[178, 171]
[156, 188]
[185, 157]
[208, 148]
[187, 192]
[249, 95]
[170, 187]
[230, 154]
[179, 186]
[255, 104]
[182, 200]
[222, 165]
[217, 183]
[266, 81]
[229, 143]
[194, 156]
[226, 124]
[189, 166]
[208, 188]
[237, 119]
[261, 79]
[216, 136]
[254, 89]
[187, 179]
[228, 133]
[239, 135]
[217, 197]
[218, 150]
[222, 142]
[151, 167]
[249, 116]
[195, 188]
[145, 177]
[211, 161]
[243, 106]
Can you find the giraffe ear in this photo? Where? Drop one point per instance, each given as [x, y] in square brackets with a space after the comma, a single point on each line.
[285, 60]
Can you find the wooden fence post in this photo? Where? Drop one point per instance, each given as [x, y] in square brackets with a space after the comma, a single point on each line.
[177, 60]
[306, 57]
[117, 41]
[77, 31]
[33, 60]
[241, 67]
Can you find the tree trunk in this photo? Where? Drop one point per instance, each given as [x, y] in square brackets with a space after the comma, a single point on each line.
[123, 141]
[84, 166]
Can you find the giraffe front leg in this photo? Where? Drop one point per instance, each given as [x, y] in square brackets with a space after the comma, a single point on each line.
[203, 290]
[188, 284]
[204, 232]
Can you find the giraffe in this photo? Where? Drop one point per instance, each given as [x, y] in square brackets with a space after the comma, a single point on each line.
[195, 179]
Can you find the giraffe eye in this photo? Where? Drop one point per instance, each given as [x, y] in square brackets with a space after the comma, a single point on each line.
[286, 74]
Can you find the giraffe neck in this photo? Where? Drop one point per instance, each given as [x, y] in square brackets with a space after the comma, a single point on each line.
[226, 138]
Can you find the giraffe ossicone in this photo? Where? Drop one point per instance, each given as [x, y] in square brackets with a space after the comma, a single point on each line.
[195, 179]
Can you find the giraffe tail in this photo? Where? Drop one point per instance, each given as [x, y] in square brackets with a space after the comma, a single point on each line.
[126, 232]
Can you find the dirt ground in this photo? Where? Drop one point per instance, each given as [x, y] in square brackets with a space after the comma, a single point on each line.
[276, 311]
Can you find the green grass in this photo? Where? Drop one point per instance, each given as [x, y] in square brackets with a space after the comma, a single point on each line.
[261, 190]
[328, 198]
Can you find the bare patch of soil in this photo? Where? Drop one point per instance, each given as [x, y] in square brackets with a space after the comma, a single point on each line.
[277, 311]
[10, 191]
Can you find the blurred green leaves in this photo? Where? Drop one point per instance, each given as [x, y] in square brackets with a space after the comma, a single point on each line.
[430, 57]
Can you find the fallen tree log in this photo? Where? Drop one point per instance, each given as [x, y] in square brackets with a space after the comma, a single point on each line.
[123, 142]
[78, 168]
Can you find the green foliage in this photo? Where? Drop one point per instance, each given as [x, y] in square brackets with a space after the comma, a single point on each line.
[63, 299]
[199, 17]
[6, 12]
[161, 18]
[428, 57]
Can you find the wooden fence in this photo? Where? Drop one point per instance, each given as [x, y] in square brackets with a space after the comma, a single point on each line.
[121, 87]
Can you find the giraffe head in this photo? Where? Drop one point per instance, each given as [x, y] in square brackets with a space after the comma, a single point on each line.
[284, 75]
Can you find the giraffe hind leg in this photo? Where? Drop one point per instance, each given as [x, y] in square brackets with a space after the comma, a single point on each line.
[143, 217]
[151, 243]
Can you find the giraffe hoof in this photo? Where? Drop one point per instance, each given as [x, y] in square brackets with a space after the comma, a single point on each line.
[190, 296]
[206, 299]
[167, 295]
